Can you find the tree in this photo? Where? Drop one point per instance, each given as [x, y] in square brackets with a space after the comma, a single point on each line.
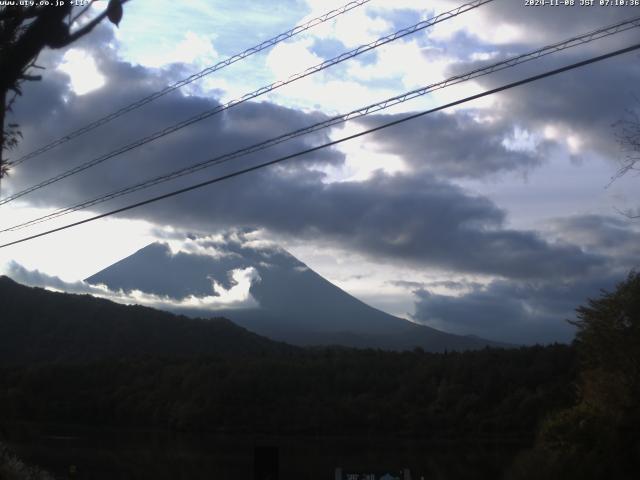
[25, 30]
[608, 340]
[628, 134]
[599, 437]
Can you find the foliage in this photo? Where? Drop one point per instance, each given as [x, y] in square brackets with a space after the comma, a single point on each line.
[628, 135]
[12, 468]
[78, 359]
[608, 340]
[599, 437]
[42, 326]
[491, 393]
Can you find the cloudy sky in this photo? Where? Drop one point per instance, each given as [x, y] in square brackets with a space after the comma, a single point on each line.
[494, 218]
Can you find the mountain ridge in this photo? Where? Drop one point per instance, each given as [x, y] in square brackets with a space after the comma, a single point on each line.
[295, 304]
[39, 325]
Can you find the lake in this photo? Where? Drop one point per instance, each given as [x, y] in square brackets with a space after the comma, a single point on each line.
[113, 454]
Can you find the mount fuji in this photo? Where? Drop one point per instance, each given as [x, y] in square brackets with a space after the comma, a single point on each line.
[266, 290]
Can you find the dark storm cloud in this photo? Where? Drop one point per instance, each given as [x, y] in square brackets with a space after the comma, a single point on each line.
[407, 284]
[448, 284]
[535, 310]
[455, 145]
[417, 218]
[586, 101]
[411, 218]
[49, 110]
[614, 236]
[516, 312]
[552, 23]
[407, 218]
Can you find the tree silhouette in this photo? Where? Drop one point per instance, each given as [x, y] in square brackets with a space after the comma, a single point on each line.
[599, 437]
[25, 30]
[608, 340]
[628, 134]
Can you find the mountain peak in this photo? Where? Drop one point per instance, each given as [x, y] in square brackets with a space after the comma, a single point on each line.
[284, 299]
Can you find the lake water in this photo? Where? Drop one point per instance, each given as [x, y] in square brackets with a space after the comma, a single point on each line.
[113, 454]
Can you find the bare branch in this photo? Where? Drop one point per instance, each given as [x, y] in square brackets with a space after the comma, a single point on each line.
[628, 137]
[629, 213]
[82, 12]
[24, 32]
[88, 27]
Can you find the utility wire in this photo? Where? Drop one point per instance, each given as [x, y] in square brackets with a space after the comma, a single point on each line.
[261, 91]
[196, 76]
[504, 64]
[332, 143]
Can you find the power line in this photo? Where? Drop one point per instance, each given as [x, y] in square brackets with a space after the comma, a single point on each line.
[261, 91]
[508, 63]
[196, 76]
[332, 143]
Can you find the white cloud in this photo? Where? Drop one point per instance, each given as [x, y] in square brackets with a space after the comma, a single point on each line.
[413, 64]
[194, 49]
[481, 23]
[238, 296]
[82, 70]
[352, 29]
[74, 253]
[286, 59]
[362, 158]
[197, 247]
[521, 140]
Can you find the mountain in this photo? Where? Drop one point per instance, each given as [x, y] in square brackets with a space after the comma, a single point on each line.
[38, 325]
[283, 298]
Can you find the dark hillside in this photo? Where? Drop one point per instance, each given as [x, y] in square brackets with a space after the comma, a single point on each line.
[37, 325]
[499, 394]
[77, 359]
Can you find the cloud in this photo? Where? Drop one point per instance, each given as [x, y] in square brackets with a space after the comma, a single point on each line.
[504, 23]
[457, 146]
[237, 296]
[528, 311]
[359, 26]
[575, 109]
[412, 217]
[451, 285]
[35, 278]
[407, 284]
[615, 237]
[515, 312]
[286, 59]
[192, 49]
[409, 218]
[53, 99]
[82, 70]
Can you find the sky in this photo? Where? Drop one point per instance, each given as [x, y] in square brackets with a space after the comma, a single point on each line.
[495, 218]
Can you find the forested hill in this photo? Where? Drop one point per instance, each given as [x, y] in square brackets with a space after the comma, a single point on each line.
[70, 358]
[38, 325]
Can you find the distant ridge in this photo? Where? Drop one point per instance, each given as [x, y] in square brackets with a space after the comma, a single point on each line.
[38, 325]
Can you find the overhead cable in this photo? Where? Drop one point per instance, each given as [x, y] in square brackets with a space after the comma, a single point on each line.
[332, 143]
[354, 114]
[250, 96]
[196, 76]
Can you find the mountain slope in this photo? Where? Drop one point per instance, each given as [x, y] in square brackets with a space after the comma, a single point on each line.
[42, 326]
[295, 304]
